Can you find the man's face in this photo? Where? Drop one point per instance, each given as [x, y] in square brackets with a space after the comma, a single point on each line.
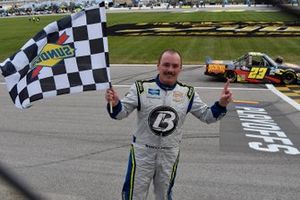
[169, 68]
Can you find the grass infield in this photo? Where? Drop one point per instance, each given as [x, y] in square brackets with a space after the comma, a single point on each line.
[14, 32]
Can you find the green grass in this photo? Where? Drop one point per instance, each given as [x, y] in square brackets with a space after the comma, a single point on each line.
[121, 18]
[195, 49]
[14, 32]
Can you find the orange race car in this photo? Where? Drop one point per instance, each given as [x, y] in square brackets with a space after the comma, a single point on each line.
[254, 67]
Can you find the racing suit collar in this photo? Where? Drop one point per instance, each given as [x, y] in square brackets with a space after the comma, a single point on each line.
[164, 86]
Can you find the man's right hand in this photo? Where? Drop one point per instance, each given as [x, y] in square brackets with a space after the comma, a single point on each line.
[226, 96]
[111, 96]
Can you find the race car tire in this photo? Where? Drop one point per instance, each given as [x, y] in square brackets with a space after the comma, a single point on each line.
[288, 77]
[231, 75]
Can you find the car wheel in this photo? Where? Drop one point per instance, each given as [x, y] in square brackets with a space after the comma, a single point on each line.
[231, 75]
[288, 77]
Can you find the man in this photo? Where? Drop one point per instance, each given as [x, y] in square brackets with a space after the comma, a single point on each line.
[162, 105]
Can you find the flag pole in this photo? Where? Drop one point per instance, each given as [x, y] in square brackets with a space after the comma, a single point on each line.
[110, 102]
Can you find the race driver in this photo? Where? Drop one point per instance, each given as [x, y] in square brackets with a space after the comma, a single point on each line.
[162, 105]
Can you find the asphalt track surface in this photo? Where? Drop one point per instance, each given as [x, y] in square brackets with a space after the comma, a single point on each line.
[67, 147]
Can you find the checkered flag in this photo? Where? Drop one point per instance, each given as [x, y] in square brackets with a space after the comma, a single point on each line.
[67, 56]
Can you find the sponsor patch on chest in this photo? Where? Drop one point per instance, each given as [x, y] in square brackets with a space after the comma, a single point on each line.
[178, 96]
[153, 93]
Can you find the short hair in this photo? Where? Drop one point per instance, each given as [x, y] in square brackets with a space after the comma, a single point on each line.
[171, 51]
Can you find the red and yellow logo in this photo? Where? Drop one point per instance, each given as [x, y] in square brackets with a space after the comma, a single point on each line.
[216, 68]
[52, 54]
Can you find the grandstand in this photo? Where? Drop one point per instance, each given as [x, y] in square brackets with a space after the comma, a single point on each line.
[17, 2]
[6, 4]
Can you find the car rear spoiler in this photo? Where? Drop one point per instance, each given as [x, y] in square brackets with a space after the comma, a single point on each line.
[208, 60]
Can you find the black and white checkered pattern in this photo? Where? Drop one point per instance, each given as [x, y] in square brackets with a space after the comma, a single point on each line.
[87, 70]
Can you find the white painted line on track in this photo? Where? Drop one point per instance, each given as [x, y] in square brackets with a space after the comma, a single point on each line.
[210, 88]
[269, 87]
[284, 97]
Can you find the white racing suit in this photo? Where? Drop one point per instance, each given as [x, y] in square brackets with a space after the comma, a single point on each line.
[154, 154]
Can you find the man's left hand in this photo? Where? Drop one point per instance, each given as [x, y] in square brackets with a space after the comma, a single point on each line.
[226, 95]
